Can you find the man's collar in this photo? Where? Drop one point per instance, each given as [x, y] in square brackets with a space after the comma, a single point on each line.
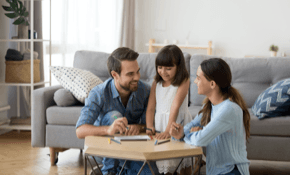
[115, 93]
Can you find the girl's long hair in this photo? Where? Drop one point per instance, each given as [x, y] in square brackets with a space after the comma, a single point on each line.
[218, 70]
[169, 56]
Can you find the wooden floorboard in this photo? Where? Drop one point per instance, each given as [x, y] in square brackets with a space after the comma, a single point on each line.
[18, 157]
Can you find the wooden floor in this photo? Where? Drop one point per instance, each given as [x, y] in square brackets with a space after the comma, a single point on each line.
[19, 158]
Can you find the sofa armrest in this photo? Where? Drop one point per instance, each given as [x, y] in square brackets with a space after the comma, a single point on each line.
[43, 98]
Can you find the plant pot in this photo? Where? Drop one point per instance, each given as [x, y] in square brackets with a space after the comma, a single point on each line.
[273, 53]
[22, 31]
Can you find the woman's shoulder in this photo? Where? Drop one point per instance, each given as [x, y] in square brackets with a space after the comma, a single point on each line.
[232, 107]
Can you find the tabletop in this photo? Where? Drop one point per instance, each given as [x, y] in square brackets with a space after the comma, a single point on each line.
[139, 150]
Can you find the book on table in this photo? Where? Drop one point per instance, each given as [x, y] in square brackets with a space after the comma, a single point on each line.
[132, 138]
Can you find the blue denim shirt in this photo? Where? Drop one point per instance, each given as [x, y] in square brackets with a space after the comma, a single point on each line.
[105, 98]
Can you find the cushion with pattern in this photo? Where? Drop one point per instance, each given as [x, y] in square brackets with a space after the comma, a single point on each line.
[274, 101]
[79, 82]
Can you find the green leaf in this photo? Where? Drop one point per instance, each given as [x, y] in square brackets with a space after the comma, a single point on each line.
[14, 6]
[27, 23]
[11, 15]
[25, 14]
[9, 9]
[20, 5]
[9, 2]
[19, 21]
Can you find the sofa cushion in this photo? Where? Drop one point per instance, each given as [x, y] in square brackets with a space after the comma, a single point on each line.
[274, 101]
[64, 97]
[79, 82]
[251, 76]
[56, 115]
[278, 126]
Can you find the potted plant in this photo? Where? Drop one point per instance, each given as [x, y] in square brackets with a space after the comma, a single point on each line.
[273, 49]
[18, 10]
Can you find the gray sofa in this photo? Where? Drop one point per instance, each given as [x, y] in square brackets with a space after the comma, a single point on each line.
[54, 126]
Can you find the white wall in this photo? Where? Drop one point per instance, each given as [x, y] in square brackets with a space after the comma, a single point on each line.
[236, 28]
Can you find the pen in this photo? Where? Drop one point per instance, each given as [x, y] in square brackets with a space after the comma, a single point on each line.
[163, 142]
[180, 123]
[126, 126]
[116, 141]
[151, 130]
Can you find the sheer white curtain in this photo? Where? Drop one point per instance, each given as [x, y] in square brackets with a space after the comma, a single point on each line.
[81, 25]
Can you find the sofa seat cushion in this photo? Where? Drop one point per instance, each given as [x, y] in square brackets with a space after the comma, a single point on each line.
[277, 126]
[56, 115]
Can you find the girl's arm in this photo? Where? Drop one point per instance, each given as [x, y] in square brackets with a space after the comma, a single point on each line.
[177, 102]
[151, 109]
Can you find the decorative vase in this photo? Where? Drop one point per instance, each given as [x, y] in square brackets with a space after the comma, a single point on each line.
[22, 31]
[273, 53]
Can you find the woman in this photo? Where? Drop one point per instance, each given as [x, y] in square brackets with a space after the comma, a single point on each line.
[223, 123]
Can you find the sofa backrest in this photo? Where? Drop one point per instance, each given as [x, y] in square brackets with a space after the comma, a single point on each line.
[251, 76]
[96, 62]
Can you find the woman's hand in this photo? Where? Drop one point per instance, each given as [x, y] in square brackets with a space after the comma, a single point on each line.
[150, 133]
[163, 135]
[176, 130]
[196, 128]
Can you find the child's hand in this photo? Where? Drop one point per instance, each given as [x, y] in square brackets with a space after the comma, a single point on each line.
[163, 135]
[152, 132]
[196, 128]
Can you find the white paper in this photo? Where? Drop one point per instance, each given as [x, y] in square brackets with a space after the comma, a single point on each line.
[135, 137]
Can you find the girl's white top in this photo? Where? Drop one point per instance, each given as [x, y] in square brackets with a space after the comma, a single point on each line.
[164, 99]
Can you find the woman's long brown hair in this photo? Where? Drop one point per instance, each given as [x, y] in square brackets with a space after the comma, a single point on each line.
[218, 70]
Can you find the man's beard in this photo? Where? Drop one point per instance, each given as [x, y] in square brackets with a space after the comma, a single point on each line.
[127, 88]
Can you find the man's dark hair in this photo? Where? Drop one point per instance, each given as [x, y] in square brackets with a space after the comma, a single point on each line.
[118, 55]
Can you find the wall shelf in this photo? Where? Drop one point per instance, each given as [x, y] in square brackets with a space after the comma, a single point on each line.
[152, 45]
[7, 125]
[24, 84]
[24, 40]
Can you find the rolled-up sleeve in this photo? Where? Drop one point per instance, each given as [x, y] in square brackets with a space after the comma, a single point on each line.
[92, 108]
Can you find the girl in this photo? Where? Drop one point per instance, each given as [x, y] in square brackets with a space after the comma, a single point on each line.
[222, 125]
[168, 96]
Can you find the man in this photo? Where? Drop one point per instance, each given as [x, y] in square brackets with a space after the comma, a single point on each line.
[123, 97]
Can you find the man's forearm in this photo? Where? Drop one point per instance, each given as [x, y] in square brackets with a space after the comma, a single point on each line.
[91, 130]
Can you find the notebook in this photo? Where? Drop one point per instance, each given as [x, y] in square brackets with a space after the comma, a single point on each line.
[133, 138]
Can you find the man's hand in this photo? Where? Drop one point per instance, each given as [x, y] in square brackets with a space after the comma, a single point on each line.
[163, 135]
[133, 130]
[196, 128]
[119, 125]
[176, 130]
